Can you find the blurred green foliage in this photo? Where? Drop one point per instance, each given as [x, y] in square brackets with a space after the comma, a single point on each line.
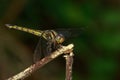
[96, 49]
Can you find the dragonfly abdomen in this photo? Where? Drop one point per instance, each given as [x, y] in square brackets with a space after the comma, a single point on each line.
[32, 31]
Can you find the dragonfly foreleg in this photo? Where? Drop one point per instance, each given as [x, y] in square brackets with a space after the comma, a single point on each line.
[49, 47]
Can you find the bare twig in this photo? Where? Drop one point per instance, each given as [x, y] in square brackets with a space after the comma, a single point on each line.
[42, 62]
[69, 62]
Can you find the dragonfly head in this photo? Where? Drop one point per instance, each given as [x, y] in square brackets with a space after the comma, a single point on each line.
[60, 38]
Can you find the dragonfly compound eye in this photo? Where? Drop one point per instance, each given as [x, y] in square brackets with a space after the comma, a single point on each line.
[60, 38]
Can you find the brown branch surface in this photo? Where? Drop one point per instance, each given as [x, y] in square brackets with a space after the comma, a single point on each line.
[39, 64]
[69, 63]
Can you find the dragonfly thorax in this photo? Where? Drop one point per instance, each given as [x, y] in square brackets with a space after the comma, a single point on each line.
[53, 36]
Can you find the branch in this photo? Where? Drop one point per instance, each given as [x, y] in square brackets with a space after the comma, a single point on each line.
[41, 63]
[69, 62]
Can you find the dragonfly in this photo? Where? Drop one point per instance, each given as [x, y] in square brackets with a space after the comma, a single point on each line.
[50, 40]
[54, 40]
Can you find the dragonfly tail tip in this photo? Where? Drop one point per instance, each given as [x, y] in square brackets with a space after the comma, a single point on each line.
[8, 25]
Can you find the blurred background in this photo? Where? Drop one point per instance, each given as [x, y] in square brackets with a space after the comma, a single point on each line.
[97, 49]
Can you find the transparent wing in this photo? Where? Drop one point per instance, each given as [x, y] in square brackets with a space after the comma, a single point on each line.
[70, 32]
[38, 51]
[43, 49]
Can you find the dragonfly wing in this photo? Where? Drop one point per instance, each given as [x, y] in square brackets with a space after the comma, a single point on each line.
[38, 51]
[70, 32]
[43, 49]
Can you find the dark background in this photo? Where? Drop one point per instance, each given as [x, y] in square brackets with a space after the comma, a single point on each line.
[97, 49]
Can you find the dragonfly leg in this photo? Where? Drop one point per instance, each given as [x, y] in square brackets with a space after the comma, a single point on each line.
[49, 47]
[58, 46]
